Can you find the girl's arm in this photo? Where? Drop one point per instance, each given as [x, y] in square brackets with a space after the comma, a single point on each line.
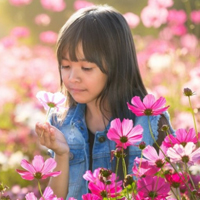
[52, 138]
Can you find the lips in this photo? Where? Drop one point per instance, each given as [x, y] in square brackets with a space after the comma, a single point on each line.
[76, 90]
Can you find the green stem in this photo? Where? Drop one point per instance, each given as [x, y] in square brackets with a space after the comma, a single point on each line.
[116, 171]
[39, 187]
[124, 167]
[195, 126]
[177, 197]
[188, 11]
[162, 150]
[46, 119]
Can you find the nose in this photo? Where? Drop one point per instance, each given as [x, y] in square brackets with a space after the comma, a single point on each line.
[74, 75]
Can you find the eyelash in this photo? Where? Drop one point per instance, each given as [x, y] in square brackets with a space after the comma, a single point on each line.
[83, 68]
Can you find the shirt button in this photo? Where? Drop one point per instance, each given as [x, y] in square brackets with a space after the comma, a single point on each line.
[71, 156]
[102, 139]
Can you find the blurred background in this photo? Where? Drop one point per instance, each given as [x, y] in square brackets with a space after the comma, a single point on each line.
[167, 40]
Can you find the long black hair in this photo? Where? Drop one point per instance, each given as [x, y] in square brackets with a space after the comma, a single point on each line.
[106, 41]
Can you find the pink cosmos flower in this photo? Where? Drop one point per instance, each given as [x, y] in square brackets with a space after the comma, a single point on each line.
[38, 169]
[56, 6]
[51, 100]
[92, 177]
[20, 2]
[177, 16]
[153, 157]
[8, 41]
[42, 19]
[48, 195]
[90, 196]
[154, 16]
[105, 190]
[132, 19]
[123, 133]
[161, 3]
[178, 29]
[142, 168]
[149, 106]
[186, 154]
[72, 198]
[20, 32]
[78, 4]
[182, 137]
[195, 16]
[153, 187]
[48, 37]
[175, 179]
[189, 41]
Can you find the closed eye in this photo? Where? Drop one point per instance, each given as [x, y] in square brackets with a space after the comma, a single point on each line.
[86, 68]
[65, 67]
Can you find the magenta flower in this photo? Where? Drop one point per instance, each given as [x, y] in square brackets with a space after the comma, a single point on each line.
[195, 16]
[38, 169]
[149, 106]
[20, 32]
[48, 195]
[123, 133]
[187, 154]
[182, 137]
[48, 37]
[51, 100]
[142, 168]
[153, 157]
[153, 188]
[55, 6]
[90, 196]
[103, 190]
[92, 177]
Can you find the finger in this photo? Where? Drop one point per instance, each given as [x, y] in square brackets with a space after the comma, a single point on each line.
[46, 135]
[38, 129]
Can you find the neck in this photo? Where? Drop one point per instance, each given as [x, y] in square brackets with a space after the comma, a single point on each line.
[95, 119]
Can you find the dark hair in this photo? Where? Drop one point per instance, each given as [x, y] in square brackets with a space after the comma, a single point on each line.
[106, 41]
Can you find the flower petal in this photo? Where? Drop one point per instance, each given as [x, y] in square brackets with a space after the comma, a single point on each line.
[38, 163]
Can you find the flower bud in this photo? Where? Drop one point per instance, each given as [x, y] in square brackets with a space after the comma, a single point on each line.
[188, 92]
[142, 145]
[165, 128]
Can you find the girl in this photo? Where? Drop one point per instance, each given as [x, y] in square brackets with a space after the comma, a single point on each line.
[99, 74]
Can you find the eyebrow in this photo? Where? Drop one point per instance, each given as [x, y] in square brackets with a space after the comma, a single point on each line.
[81, 59]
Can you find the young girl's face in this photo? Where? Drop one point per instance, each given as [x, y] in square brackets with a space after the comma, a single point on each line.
[83, 80]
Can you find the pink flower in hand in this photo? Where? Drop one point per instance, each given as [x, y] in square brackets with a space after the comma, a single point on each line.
[38, 169]
[51, 100]
[153, 188]
[123, 133]
[149, 106]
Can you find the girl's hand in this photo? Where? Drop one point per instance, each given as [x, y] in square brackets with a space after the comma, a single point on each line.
[52, 138]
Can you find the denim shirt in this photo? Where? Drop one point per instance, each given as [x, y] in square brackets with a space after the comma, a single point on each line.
[75, 131]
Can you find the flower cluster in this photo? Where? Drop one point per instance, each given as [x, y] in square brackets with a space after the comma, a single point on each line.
[171, 172]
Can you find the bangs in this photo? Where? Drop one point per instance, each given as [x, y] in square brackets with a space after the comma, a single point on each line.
[85, 33]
